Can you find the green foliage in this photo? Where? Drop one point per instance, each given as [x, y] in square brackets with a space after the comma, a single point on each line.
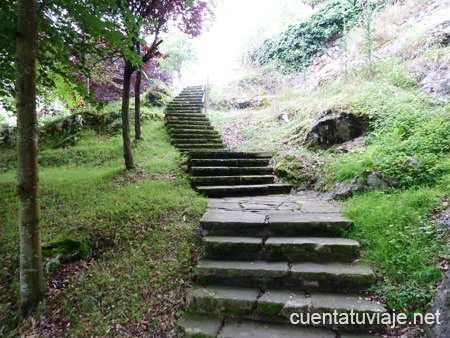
[410, 140]
[401, 243]
[294, 49]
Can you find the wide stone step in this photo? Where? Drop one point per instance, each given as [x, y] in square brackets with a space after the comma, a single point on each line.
[228, 223]
[292, 249]
[198, 135]
[207, 326]
[243, 190]
[334, 276]
[232, 180]
[189, 113]
[180, 131]
[229, 171]
[186, 146]
[231, 155]
[209, 140]
[182, 108]
[186, 118]
[232, 162]
[189, 126]
[279, 306]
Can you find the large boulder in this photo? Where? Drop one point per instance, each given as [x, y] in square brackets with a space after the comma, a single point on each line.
[336, 128]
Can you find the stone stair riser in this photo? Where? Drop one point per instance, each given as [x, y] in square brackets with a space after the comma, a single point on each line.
[250, 190]
[279, 249]
[232, 180]
[229, 171]
[229, 162]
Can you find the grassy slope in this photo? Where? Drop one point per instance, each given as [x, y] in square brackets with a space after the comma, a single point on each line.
[140, 227]
[408, 145]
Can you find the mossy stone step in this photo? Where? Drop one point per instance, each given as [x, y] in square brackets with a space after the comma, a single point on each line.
[176, 131]
[301, 276]
[199, 326]
[187, 146]
[197, 135]
[190, 113]
[229, 171]
[232, 180]
[252, 329]
[227, 223]
[293, 249]
[209, 140]
[222, 300]
[243, 190]
[277, 306]
[232, 162]
[183, 108]
[233, 190]
[188, 126]
[186, 118]
[230, 155]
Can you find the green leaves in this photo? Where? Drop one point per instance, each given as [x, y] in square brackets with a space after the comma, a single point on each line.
[294, 49]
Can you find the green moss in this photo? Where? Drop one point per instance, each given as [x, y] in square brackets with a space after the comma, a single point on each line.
[67, 248]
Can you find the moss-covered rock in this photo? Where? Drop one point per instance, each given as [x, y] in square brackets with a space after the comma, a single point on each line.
[62, 250]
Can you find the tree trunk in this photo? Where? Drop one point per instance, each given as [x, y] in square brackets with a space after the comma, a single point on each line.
[137, 106]
[32, 287]
[127, 154]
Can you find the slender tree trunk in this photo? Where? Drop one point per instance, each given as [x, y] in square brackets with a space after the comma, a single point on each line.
[31, 275]
[137, 106]
[127, 154]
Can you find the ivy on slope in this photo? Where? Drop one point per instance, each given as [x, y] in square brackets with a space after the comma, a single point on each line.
[293, 50]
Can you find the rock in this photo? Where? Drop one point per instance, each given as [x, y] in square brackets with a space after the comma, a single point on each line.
[442, 34]
[352, 145]
[442, 302]
[336, 128]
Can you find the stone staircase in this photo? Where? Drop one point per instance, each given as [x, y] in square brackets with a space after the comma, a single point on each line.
[269, 259]
[215, 171]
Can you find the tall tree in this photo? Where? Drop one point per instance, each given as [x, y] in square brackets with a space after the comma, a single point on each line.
[31, 274]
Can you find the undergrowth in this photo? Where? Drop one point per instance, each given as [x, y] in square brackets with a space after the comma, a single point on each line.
[139, 227]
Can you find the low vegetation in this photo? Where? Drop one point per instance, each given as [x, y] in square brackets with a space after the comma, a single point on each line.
[130, 237]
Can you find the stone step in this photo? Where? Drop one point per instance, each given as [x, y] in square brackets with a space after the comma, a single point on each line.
[231, 162]
[243, 190]
[277, 306]
[209, 140]
[189, 126]
[198, 135]
[230, 155]
[232, 180]
[182, 108]
[187, 146]
[183, 131]
[229, 171]
[292, 249]
[177, 113]
[314, 224]
[333, 276]
[186, 118]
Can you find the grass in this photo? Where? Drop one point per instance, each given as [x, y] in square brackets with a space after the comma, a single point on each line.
[401, 243]
[140, 227]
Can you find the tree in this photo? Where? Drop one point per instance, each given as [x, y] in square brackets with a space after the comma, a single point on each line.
[143, 18]
[31, 273]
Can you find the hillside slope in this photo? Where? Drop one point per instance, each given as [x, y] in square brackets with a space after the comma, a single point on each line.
[392, 71]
